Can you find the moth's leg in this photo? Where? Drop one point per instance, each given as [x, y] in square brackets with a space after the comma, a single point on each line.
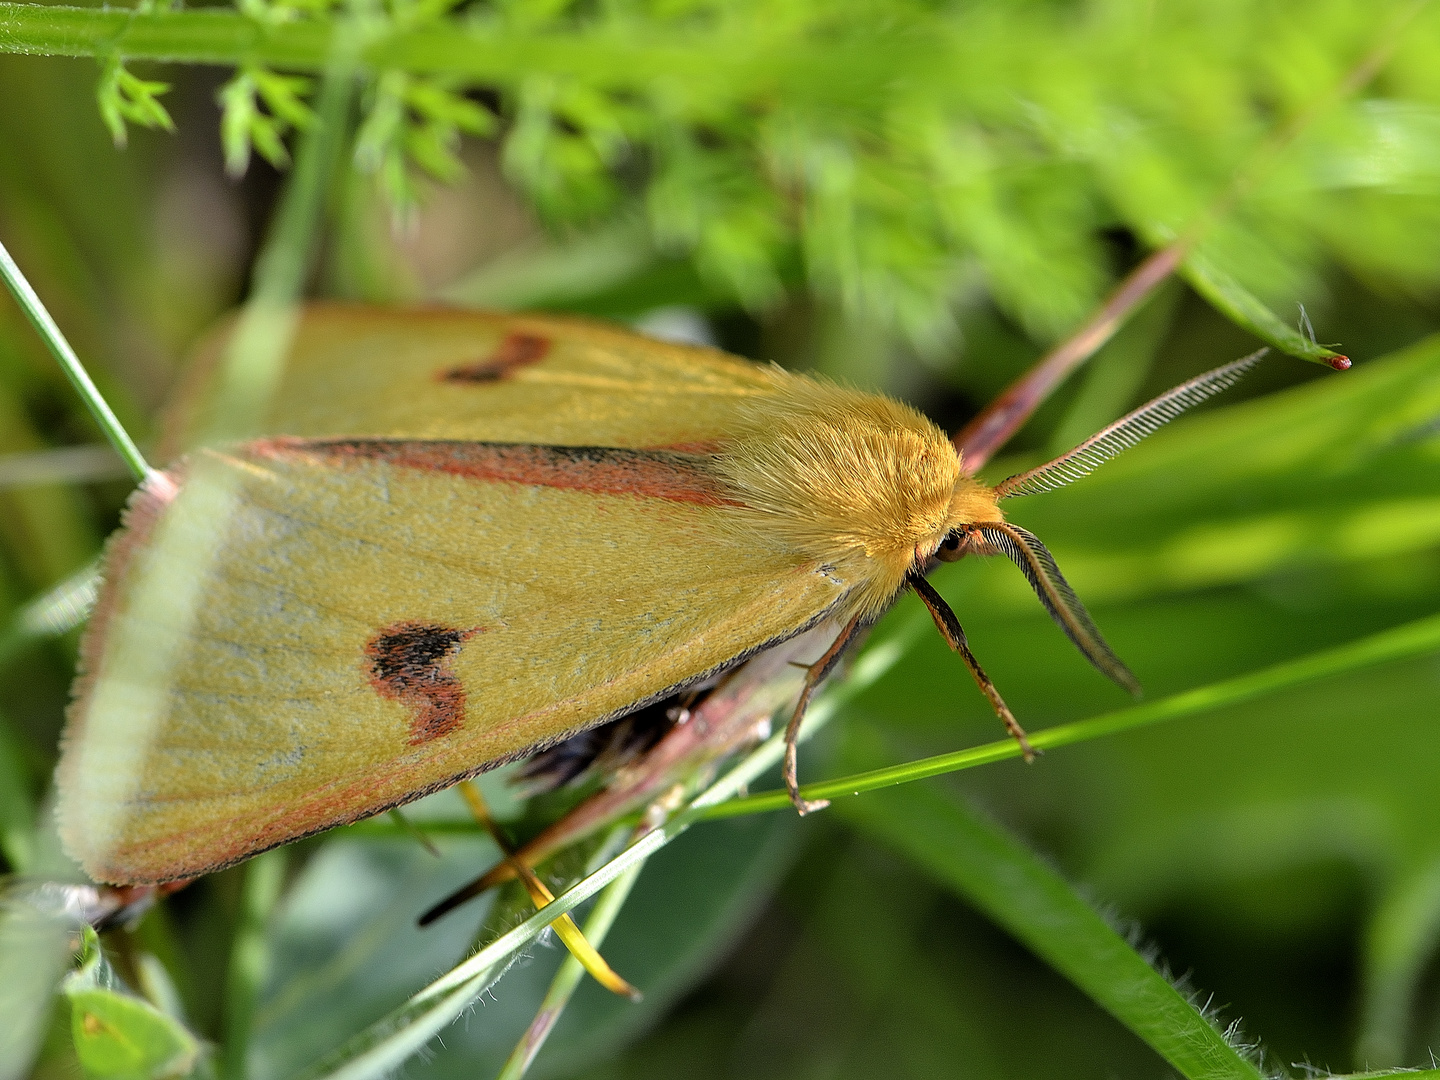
[814, 676]
[954, 635]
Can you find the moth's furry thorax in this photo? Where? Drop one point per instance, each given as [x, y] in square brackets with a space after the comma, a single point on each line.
[854, 481]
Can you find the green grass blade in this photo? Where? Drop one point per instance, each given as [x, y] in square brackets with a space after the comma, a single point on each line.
[46, 327]
[57, 611]
[249, 959]
[1412, 639]
[384, 1045]
[1399, 944]
[997, 874]
[254, 358]
[1243, 307]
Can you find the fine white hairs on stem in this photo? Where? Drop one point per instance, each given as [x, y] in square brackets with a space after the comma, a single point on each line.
[1125, 432]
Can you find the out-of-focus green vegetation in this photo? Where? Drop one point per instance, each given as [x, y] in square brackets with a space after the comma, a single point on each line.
[912, 196]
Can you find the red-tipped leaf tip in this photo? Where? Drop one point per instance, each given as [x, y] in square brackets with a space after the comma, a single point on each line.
[1340, 363]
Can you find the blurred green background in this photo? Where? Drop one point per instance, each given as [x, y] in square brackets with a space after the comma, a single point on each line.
[915, 197]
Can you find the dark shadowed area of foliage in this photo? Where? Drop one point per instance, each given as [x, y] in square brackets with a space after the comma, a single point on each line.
[916, 197]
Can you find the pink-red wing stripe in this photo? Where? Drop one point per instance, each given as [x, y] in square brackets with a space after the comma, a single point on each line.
[652, 474]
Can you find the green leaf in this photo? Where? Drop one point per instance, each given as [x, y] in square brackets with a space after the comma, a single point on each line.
[1006, 881]
[1246, 309]
[242, 124]
[123, 97]
[284, 96]
[117, 1035]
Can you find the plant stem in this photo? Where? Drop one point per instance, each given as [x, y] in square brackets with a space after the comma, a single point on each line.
[45, 326]
[255, 355]
[1411, 639]
[249, 958]
[1003, 417]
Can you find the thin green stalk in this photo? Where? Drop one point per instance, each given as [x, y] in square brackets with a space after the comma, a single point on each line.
[17, 804]
[1398, 946]
[249, 958]
[602, 917]
[45, 326]
[473, 49]
[387, 1043]
[254, 358]
[1412, 639]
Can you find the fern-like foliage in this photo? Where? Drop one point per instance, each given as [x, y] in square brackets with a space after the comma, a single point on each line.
[904, 157]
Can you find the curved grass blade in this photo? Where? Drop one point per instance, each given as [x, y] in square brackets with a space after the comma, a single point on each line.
[1014, 888]
[1399, 943]
[1243, 307]
[1410, 639]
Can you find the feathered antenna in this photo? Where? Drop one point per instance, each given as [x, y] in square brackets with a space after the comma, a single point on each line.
[1025, 550]
[1125, 432]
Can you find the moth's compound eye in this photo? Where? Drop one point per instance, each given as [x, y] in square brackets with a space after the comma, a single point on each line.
[950, 548]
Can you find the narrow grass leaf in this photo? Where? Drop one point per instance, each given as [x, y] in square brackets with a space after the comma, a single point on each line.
[249, 957]
[254, 358]
[49, 332]
[1412, 639]
[1245, 308]
[1012, 886]
[1399, 944]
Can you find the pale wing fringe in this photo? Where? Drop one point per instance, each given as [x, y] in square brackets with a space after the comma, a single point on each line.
[1126, 432]
[1025, 550]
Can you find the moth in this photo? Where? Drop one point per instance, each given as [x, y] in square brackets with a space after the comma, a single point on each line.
[472, 536]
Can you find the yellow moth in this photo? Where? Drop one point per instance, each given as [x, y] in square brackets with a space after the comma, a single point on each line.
[472, 536]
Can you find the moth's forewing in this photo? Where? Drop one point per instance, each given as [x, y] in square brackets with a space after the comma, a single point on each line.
[307, 634]
[437, 373]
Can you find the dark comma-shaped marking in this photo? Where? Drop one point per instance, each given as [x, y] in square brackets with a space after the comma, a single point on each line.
[406, 663]
[516, 351]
